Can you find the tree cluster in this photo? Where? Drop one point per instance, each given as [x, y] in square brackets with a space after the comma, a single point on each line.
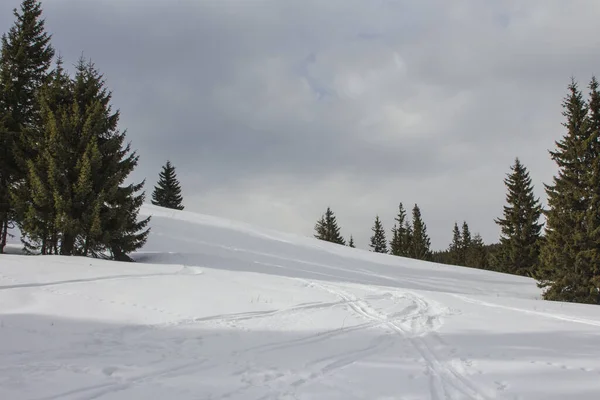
[64, 160]
[564, 257]
[569, 262]
[408, 239]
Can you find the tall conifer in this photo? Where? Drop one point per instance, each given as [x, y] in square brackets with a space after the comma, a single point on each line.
[25, 58]
[420, 243]
[520, 226]
[34, 196]
[378, 242]
[82, 164]
[454, 250]
[567, 269]
[400, 242]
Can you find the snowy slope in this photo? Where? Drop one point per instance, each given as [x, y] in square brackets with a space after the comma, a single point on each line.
[215, 309]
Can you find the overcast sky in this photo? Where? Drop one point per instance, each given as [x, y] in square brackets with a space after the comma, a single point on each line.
[273, 110]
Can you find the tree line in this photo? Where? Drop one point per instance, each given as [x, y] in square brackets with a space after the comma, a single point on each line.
[562, 255]
[63, 159]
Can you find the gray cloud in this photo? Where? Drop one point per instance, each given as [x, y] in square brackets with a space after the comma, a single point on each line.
[273, 110]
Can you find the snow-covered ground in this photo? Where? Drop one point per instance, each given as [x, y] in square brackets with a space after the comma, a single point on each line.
[220, 310]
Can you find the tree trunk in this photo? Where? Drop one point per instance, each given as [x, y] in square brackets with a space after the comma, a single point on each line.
[3, 234]
[67, 245]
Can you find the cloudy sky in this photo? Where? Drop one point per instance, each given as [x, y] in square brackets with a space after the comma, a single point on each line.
[272, 110]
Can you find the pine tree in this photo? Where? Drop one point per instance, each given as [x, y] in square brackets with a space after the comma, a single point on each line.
[167, 193]
[378, 241]
[351, 242]
[454, 250]
[327, 228]
[520, 227]
[568, 269]
[399, 244]
[420, 243]
[25, 58]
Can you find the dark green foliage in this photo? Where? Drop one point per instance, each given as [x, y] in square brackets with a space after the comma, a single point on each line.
[25, 57]
[455, 248]
[520, 227]
[378, 242]
[74, 191]
[400, 242]
[570, 267]
[351, 242]
[420, 242]
[327, 228]
[167, 193]
[34, 196]
[476, 255]
[479, 255]
[465, 242]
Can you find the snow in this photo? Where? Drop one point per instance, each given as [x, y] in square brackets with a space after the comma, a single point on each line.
[216, 309]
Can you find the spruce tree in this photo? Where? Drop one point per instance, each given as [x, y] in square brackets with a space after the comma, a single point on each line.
[111, 227]
[465, 243]
[592, 253]
[378, 240]
[34, 196]
[455, 248]
[351, 242]
[520, 227]
[167, 192]
[399, 244]
[420, 243]
[327, 228]
[321, 228]
[25, 58]
[82, 164]
[568, 269]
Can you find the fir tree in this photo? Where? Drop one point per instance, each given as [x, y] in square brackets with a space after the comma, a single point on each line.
[568, 269]
[454, 250]
[167, 193]
[378, 241]
[327, 228]
[351, 242]
[25, 58]
[520, 227]
[399, 244]
[420, 243]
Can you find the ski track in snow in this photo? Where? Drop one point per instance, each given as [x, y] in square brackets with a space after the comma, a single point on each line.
[322, 329]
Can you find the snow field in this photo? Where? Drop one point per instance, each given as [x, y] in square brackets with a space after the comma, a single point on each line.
[215, 309]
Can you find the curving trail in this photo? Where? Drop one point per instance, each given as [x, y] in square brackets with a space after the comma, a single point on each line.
[219, 310]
